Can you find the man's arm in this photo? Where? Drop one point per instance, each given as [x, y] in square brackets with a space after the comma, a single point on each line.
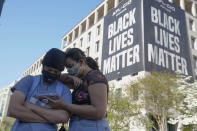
[18, 110]
[51, 115]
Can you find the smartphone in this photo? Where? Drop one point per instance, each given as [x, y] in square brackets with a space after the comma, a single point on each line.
[44, 96]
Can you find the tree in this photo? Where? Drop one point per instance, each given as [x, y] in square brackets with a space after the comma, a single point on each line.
[164, 97]
[6, 124]
[120, 109]
[189, 114]
[160, 96]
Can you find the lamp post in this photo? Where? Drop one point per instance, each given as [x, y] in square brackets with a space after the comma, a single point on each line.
[1, 5]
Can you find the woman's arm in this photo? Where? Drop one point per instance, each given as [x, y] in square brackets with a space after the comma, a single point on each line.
[71, 81]
[97, 109]
[19, 111]
[52, 115]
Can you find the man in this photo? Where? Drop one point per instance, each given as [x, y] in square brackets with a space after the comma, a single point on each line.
[31, 112]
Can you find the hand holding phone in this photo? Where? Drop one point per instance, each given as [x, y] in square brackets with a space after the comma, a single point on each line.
[46, 96]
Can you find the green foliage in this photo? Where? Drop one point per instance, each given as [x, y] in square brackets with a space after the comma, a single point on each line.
[161, 95]
[190, 127]
[120, 109]
[6, 124]
[65, 126]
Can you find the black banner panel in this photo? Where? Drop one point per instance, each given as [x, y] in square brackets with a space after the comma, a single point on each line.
[122, 41]
[166, 39]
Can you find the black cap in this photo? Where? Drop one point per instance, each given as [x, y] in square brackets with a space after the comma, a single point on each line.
[54, 58]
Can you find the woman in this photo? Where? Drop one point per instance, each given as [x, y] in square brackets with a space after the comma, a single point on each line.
[89, 100]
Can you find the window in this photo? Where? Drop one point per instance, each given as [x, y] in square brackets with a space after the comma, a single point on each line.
[193, 42]
[36, 65]
[96, 59]
[98, 30]
[65, 42]
[110, 5]
[40, 62]
[76, 32]
[119, 91]
[89, 36]
[100, 12]
[118, 79]
[153, 120]
[192, 25]
[195, 62]
[172, 127]
[120, 1]
[33, 68]
[91, 20]
[134, 74]
[97, 46]
[188, 6]
[83, 27]
[81, 42]
[88, 51]
[70, 38]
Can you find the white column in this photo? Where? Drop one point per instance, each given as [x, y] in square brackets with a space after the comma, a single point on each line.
[95, 17]
[182, 4]
[62, 47]
[116, 3]
[87, 23]
[193, 9]
[170, 1]
[80, 29]
[105, 7]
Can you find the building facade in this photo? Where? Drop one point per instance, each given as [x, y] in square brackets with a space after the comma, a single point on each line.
[88, 33]
[5, 94]
[35, 68]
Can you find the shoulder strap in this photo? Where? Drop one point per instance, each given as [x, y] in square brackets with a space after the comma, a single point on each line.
[35, 84]
[59, 88]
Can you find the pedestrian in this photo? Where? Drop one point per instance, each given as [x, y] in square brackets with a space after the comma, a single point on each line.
[89, 100]
[27, 104]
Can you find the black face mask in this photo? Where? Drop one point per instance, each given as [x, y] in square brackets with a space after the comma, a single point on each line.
[49, 77]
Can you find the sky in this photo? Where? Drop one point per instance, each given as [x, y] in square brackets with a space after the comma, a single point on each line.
[29, 28]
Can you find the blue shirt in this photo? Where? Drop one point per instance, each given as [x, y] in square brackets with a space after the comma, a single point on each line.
[25, 85]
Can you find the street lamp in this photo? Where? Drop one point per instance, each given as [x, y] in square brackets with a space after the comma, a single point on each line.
[1, 5]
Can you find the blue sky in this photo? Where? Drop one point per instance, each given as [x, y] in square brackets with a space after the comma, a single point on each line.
[28, 28]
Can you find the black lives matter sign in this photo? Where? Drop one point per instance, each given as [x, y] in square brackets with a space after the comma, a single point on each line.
[166, 42]
[122, 50]
[161, 46]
